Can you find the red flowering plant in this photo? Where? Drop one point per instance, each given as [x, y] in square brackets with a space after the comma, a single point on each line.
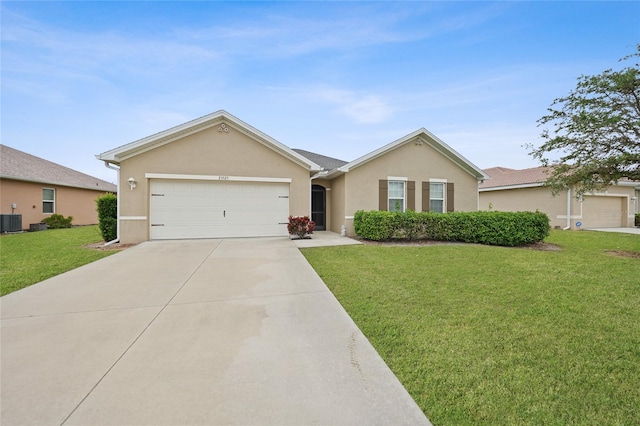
[301, 226]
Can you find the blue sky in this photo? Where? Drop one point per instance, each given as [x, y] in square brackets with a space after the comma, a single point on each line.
[336, 78]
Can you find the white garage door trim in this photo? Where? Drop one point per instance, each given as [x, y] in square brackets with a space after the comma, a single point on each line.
[217, 208]
[216, 177]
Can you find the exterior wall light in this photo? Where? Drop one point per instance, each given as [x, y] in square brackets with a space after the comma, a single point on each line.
[132, 183]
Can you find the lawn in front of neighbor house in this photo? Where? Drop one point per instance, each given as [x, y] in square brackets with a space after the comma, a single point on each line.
[495, 335]
[30, 257]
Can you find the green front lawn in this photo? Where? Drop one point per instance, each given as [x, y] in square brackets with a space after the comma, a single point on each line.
[29, 258]
[494, 335]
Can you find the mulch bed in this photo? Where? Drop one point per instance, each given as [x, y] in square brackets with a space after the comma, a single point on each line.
[622, 253]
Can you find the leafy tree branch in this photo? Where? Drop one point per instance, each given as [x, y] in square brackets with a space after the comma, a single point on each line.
[594, 132]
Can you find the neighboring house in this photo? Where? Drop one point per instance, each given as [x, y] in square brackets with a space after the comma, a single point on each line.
[217, 176]
[36, 188]
[524, 190]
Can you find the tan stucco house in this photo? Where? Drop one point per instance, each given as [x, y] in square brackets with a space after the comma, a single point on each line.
[36, 188]
[524, 190]
[217, 176]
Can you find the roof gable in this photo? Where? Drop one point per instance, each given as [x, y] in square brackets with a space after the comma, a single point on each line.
[19, 165]
[424, 136]
[220, 118]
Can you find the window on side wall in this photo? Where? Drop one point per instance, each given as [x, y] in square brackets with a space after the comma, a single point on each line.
[396, 196]
[436, 197]
[48, 200]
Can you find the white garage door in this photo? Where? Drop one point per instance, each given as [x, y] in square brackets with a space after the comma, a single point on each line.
[602, 212]
[217, 209]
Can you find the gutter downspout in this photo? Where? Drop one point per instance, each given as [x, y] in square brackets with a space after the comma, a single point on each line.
[568, 210]
[117, 169]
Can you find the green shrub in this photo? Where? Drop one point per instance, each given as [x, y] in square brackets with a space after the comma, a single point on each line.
[57, 221]
[374, 225]
[108, 216]
[485, 227]
[637, 219]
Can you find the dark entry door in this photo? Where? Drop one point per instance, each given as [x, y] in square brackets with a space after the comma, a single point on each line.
[319, 207]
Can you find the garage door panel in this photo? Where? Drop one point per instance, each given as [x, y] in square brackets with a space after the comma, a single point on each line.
[603, 211]
[213, 209]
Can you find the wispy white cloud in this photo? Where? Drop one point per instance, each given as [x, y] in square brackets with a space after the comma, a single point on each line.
[358, 106]
[56, 51]
[334, 27]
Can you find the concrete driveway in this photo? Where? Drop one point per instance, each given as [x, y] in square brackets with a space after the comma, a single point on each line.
[238, 331]
[619, 230]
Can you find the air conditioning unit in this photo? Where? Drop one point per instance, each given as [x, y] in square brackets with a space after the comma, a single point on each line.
[10, 222]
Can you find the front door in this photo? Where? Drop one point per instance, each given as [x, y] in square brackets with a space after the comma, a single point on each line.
[319, 207]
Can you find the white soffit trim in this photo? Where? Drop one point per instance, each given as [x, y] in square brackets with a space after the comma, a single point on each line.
[501, 188]
[627, 183]
[424, 136]
[211, 120]
[607, 194]
[216, 177]
[43, 182]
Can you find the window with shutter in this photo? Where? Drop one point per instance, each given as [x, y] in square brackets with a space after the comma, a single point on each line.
[396, 194]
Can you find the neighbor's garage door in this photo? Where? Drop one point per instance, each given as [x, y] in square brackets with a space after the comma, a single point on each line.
[216, 209]
[602, 212]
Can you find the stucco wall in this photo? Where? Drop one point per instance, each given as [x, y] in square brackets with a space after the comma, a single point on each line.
[210, 153]
[416, 162]
[615, 205]
[530, 199]
[76, 202]
[337, 211]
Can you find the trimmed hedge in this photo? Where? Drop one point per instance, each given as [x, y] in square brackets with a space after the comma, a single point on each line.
[108, 216]
[483, 227]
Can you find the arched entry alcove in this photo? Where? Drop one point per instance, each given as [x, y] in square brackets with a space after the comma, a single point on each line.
[319, 206]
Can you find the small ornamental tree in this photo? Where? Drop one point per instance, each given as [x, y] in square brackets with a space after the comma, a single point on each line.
[300, 226]
[108, 216]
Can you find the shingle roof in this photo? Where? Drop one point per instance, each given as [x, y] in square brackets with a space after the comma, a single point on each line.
[502, 176]
[327, 163]
[15, 164]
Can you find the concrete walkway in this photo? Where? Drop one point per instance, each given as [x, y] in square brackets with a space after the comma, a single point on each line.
[325, 239]
[619, 230]
[238, 331]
